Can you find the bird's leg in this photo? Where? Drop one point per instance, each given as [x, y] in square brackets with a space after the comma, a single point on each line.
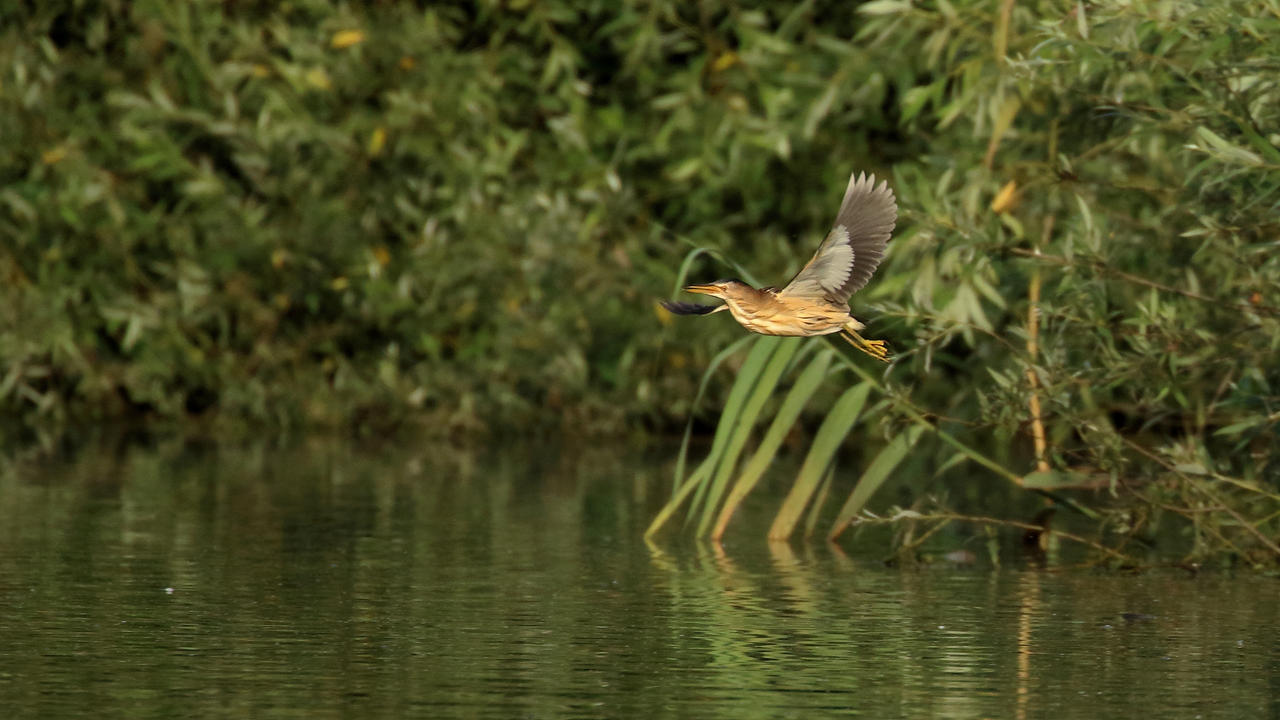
[875, 348]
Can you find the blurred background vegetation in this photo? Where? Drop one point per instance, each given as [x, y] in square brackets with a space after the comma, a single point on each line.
[303, 214]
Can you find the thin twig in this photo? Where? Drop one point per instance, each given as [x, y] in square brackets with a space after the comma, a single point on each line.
[1137, 280]
[1262, 537]
[912, 545]
[997, 521]
[910, 411]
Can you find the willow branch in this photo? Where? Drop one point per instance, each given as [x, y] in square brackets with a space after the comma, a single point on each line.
[1137, 280]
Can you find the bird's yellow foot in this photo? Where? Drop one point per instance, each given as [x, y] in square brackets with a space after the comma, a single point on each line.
[877, 349]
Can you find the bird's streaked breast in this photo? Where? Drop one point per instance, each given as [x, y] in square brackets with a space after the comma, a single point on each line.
[775, 317]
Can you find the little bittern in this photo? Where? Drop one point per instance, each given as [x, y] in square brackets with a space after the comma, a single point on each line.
[816, 301]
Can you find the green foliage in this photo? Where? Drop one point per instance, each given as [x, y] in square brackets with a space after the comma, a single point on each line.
[1114, 172]
[826, 443]
[806, 384]
[316, 213]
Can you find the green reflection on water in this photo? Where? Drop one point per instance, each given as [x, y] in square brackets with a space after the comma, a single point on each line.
[328, 581]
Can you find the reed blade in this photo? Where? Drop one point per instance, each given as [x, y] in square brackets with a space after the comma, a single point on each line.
[758, 357]
[715, 363]
[757, 391]
[796, 400]
[875, 475]
[834, 429]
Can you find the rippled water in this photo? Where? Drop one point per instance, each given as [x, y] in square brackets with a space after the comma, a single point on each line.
[326, 581]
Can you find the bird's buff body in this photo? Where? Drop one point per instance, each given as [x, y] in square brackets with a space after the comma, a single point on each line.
[771, 313]
[816, 301]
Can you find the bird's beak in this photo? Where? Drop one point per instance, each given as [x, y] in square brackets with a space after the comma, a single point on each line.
[702, 289]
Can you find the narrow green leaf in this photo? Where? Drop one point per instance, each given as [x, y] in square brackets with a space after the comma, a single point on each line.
[681, 494]
[1271, 152]
[1227, 150]
[1232, 429]
[1004, 119]
[884, 7]
[685, 265]
[761, 390]
[835, 428]
[792, 405]
[702, 389]
[819, 501]
[1085, 212]
[874, 477]
[761, 351]
[820, 109]
[686, 169]
[914, 100]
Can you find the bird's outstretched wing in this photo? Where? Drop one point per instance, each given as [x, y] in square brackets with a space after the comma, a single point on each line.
[685, 308]
[854, 248]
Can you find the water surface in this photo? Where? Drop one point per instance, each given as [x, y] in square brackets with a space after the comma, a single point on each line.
[327, 580]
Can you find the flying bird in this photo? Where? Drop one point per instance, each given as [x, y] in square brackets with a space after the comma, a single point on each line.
[816, 301]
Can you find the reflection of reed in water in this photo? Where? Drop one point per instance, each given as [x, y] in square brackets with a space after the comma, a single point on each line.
[1028, 609]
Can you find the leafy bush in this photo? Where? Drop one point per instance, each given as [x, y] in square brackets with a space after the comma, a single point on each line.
[314, 213]
[1084, 283]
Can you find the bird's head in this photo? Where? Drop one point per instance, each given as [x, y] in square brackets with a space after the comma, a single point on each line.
[723, 289]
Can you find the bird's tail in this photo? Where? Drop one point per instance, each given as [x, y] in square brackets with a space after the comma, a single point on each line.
[875, 348]
[685, 308]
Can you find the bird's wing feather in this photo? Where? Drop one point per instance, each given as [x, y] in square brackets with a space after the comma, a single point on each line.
[854, 248]
[827, 270]
[685, 308]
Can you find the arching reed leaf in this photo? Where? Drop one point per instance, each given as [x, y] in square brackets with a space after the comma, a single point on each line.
[830, 435]
[811, 521]
[760, 391]
[712, 366]
[681, 494]
[687, 263]
[874, 476]
[792, 405]
[761, 351]
[683, 273]
[906, 409]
